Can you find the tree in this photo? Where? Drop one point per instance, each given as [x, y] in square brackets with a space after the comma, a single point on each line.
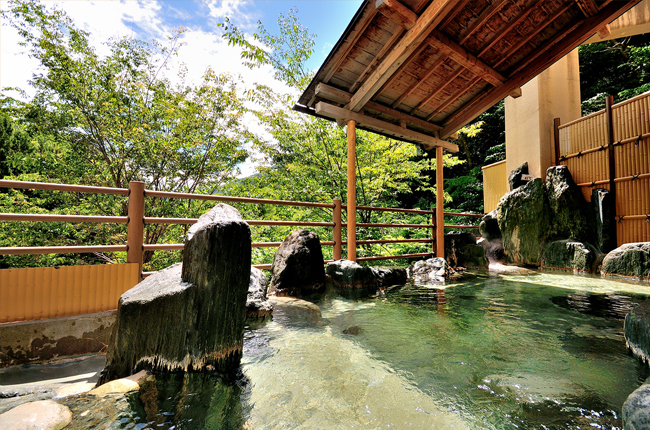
[122, 119]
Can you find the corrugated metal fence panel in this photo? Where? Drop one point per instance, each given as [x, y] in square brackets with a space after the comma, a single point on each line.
[495, 184]
[50, 292]
[631, 119]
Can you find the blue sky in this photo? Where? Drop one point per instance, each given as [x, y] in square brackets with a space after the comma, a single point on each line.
[204, 45]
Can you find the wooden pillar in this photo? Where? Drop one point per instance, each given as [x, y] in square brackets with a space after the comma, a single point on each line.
[440, 211]
[135, 229]
[352, 191]
[556, 140]
[609, 102]
[336, 231]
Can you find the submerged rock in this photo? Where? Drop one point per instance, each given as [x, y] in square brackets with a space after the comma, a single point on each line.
[290, 311]
[630, 259]
[257, 306]
[298, 265]
[44, 414]
[636, 409]
[188, 317]
[435, 270]
[349, 274]
[570, 255]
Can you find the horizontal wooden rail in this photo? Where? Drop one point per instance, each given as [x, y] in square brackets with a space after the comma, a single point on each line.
[464, 214]
[374, 208]
[63, 218]
[155, 220]
[190, 196]
[605, 146]
[461, 226]
[63, 187]
[622, 218]
[395, 257]
[177, 246]
[365, 224]
[606, 181]
[367, 242]
[60, 249]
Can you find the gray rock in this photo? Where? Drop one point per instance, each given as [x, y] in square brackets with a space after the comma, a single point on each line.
[636, 409]
[630, 259]
[461, 250]
[524, 222]
[188, 317]
[298, 266]
[570, 215]
[348, 274]
[489, 226]
[637, 331]
[603, 207]
[257, 306]
[40, 415]
[433, 270]
[514, 178]
[570, 255]
[493, 250]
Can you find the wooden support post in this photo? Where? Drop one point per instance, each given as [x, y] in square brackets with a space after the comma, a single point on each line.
[434, 238]
[352, 191]
[336, 231]
[440, 211]
[556, 140]
[135, 230]
[609, 102]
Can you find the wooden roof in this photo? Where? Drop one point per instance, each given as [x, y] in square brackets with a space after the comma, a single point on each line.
[419, 70]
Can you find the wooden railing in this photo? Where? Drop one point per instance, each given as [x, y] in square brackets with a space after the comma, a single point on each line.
[136, 221]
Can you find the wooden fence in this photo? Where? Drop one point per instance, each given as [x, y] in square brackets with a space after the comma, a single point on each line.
[610, 149]
[81, 291]
[495, 184]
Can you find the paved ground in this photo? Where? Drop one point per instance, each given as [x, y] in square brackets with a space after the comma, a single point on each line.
[22, 384]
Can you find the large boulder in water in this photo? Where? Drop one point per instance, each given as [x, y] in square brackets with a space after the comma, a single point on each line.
[630, 259]
[570, 214]
[524, 222]
[433, 270]
[570, 255]
[637, 331]
[257, 306]
[461, 250]
[298, 265]
[188, 317]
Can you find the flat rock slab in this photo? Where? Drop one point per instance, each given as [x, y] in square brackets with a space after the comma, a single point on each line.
[118, 386]
[349, 274]
[41, 415]
[502, 269]
[290, 311]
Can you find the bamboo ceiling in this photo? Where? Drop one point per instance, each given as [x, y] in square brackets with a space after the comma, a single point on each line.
[419, 70]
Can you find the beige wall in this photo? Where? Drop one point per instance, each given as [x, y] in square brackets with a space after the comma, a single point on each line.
[529, 118]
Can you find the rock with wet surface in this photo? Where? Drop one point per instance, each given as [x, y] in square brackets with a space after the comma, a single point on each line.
[41, 415]
[257, 306]
[489, 226]
[570, 214]
[298, 265]
[570, 255]
[435, 270]
[630, 260]
[461, 250]
[636, 409]
[352, 275]
[188, 317]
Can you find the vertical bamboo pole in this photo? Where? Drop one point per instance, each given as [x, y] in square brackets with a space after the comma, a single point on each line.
[440, 211]
[336, 231]
[352, 191]
[556, 140]
[609, 101]
[135, 230]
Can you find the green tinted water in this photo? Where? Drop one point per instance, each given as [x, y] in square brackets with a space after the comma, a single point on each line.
[536, 352]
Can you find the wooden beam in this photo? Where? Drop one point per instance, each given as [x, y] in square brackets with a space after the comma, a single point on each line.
[352, 191]
[516, 93]
[396, 11]
[438, 90]
[505, 30]
[428, 142]
[454, 97]
[543, 59]
[401, 69]
[339, 96]
[460, 5]
[604, 31]
[431, 16]
[420, 81]
[485, 16]
[588, 7]
[387, 47]
[465, 58]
